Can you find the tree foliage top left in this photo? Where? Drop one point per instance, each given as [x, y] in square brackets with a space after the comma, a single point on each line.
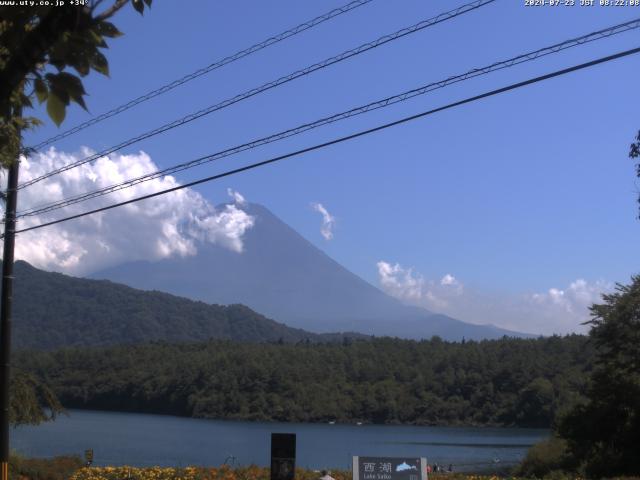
[45, 50]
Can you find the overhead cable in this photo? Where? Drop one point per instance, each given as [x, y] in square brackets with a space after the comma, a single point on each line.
[267, 86]
[526, 57]
[352, 136]
[203, 71]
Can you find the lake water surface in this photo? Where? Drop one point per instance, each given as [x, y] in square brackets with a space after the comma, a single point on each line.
[143, 440]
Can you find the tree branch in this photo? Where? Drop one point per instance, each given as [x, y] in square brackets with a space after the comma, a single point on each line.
[109, 12]
[95, 4]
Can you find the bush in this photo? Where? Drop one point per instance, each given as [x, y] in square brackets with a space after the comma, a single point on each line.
[548, 458]
[57, 468]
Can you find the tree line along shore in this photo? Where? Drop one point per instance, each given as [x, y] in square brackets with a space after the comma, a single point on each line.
[507, 382]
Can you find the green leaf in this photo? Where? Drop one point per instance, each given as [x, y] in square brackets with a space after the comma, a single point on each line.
[108, 29]
[81, 64]
[138, 5]
[56, 108]
[97, 39]
[80, 101]
[26, 101]
[57, 87]
[60, 50]
[100, 64]
[61, 93]
[69, 82]
[70, 85]
[34, 122]
[42, 92]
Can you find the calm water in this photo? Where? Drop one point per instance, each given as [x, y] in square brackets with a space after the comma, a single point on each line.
[141, 440]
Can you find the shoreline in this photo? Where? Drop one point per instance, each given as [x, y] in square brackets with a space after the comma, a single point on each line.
[361, 423]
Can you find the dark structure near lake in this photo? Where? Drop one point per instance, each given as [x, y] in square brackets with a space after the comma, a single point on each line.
[283, 456]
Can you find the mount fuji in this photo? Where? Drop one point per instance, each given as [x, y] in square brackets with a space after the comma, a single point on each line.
[283, 276]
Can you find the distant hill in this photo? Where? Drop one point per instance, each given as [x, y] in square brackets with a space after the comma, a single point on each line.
[52, 310]
[285, 277]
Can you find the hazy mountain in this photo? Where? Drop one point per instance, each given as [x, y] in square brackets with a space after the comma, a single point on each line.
[283, 276]
[53, 310]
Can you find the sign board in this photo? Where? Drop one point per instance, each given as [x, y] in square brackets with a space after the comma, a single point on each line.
[389, 468]
[283, 456]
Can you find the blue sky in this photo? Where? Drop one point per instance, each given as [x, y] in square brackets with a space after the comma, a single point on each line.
[515, 194]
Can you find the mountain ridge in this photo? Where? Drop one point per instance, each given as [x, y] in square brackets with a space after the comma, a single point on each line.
[53, 310]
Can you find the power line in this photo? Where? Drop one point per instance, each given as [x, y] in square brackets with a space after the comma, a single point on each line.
[352, 136]
[275, 83]
[209, 68]
[603, 33]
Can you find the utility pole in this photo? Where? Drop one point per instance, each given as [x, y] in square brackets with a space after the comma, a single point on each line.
[11, 201]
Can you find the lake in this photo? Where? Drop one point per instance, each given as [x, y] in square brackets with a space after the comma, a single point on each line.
[144, 440]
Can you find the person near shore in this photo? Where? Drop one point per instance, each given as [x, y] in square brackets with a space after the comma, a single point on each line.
[326, 475]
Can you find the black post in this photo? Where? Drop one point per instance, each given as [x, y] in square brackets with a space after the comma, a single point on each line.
[283, 456]
[5, 314]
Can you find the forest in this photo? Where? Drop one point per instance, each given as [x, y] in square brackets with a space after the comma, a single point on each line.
[53, 310]
[507, 382]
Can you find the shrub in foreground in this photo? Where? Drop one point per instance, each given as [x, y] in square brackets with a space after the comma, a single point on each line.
[546, 458]
[57, 468]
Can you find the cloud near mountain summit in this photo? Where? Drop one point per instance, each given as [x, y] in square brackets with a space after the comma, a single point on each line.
[160, 227]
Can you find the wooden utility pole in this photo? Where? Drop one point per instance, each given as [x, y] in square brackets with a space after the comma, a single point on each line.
[11, 201]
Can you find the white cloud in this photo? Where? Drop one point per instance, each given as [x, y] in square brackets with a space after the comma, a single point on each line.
[448, 279]
[160, 227]
[405, 284]
[400, 282]
[575, 299]
[328, 221]
[452, 285]
[237, 196]
[558, 310]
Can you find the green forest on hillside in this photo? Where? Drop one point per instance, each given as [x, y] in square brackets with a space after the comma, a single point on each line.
[523, 382]
[53, 310]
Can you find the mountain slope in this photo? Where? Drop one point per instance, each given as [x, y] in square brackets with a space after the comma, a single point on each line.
[53, 310]
[285, 277]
